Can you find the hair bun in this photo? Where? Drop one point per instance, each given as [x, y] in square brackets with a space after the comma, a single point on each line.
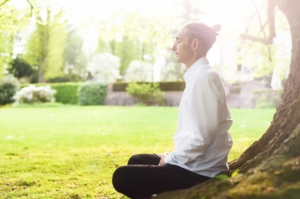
[216, 27]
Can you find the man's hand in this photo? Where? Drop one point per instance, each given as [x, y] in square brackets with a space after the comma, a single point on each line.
[162, 159]
[163, 154]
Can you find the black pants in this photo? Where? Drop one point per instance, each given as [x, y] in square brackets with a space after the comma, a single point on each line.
[142, 177]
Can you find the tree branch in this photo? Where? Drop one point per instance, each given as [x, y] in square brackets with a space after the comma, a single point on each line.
[259, 18]
[270, 55]
[4, 2]
[28, 1]
[31, 6]
[271, 24]
[271, 18]
[248, 24]
[256, 39]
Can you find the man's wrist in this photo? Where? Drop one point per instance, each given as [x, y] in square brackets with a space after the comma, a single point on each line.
[168, 158]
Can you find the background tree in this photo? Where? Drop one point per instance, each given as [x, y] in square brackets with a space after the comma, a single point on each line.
[13, 19]
[6, 47]
[21, 69]
[46, 45]
[260, 52]
[75, 58]
[129, 39]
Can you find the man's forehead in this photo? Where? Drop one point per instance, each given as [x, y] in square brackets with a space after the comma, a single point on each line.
[182, 33]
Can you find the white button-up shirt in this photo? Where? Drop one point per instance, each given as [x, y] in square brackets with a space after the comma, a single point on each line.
[202, 140]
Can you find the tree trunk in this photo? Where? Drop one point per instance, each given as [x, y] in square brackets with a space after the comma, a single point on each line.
[270, 168]
[291, 9]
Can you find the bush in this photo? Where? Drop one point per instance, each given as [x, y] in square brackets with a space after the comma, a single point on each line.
[164, 86]
[66, 93]
[32, 94]
[265, 105]
[8, 87]
[145, 93]
[268, 98]
[92, 93]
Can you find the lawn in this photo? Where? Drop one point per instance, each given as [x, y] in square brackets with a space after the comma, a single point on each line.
[72, 151]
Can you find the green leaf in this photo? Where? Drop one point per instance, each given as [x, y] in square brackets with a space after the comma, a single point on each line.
[235, 173]
[221, 176]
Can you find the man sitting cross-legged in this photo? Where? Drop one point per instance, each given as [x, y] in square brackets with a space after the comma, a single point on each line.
[202, 140]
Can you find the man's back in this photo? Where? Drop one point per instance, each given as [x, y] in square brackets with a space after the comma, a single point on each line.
[202, 140]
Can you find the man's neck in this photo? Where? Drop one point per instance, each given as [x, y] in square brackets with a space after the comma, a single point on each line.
[193, 60]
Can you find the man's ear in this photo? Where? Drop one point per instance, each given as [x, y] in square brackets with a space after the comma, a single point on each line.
[195, 44]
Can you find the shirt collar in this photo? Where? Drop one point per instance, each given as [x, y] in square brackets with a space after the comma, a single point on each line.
[196, 67]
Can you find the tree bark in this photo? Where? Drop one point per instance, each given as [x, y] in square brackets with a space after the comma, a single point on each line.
[270, 168]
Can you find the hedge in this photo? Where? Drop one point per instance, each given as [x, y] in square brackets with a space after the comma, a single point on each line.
[92, 93]
[66, 93]
[164, 86]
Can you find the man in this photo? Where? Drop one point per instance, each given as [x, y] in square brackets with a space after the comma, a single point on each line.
[202, 140]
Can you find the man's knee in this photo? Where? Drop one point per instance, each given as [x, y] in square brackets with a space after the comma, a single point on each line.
[119, 179]
[135, 159]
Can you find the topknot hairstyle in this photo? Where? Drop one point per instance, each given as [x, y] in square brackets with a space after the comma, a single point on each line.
[207, 35]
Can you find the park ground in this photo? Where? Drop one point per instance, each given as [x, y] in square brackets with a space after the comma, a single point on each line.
[72, 151]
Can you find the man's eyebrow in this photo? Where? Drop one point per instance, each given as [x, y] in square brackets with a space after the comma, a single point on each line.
[177, 38]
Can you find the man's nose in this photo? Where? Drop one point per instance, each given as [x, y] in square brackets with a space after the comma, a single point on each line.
[174, 47]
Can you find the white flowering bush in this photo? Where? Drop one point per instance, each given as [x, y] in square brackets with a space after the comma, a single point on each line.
[32, 94]
[139, 71]
[105, 68]
[172, 72]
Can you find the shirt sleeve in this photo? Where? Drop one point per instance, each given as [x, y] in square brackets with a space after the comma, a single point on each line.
[202, 116]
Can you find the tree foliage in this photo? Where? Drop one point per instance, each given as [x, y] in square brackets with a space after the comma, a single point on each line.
[6, 46]
[21, 69]
[75, 59]
[46, 45]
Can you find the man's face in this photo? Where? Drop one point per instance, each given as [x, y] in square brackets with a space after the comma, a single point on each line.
[182, 47]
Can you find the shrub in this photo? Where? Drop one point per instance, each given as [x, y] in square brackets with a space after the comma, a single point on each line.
[32, 94]
[8, 87]
[92, 93]
[164, 86]
[268, 98]
[66, 93]
[263, 105]
[145, 93]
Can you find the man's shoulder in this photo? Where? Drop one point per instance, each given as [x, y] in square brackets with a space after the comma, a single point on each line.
[207, 73]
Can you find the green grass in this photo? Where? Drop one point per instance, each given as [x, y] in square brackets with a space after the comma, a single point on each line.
[72, 151]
